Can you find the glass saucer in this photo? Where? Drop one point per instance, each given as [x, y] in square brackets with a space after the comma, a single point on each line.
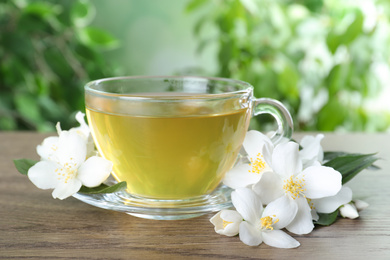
[160, 209]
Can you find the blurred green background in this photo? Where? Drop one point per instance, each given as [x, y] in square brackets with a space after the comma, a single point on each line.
[328, 61]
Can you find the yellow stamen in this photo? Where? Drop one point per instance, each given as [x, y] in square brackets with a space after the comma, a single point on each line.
[267, 222]
[310, 203]
[225, 223]
[67, 172]
[294, 186]
[258, 164]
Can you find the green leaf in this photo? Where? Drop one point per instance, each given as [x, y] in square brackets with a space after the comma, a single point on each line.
[195, 4]
[7, 123]
[336, 79]
[23, 165]
[351, 164]
[82, 13]
[355, 28]
[96, 37]
[203, 44]
[27, 106]
[103, 188]
[327, 219]
[331, 115]
[329, 155]
[332, 41]
[58, 63]
[348, 29]
[42, 9]
[288, 80]
[52, 109]
[85, 52]
[199, 25]
[313, 5]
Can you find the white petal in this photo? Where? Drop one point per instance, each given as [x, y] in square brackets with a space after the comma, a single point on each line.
[84, 131]
[267, 151]
[313, 163]
[65, 190]
[320, 157]
[302, 223]
[269, 188]
[240, 176]
[321, 181]
[254, 142]
[217, 221]
[72, 148]
[231, 229]
[286, 160]
[58, 128]
[314, 215]
[84, 128]
[80, 131]
[231, 215]
[247, 203]
[80, 118]
[48, 147]
[249, 235]
[309, 140]
[312, 150]
[90, 147]
[94, 171]
[279, 239]
[330, 204]
[284, 209]
[349, 211]
[43, 174]
[360, 205]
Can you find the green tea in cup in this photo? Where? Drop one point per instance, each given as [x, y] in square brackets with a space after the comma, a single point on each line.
[174, 138]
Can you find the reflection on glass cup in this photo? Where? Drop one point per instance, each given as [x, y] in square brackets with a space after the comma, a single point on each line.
[174, 138]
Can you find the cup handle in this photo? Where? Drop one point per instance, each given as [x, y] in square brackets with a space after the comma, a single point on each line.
[279, 112]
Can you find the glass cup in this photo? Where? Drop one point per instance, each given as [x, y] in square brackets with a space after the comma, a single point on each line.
[172, 139]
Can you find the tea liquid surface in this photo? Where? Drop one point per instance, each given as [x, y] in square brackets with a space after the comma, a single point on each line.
[169, 157]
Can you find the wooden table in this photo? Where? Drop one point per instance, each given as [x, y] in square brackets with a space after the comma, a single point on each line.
[34, 225]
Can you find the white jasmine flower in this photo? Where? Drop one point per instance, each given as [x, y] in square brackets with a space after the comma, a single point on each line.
[84, 131]
[226, 222]
[349, 211]
[50, 144]
[263, 225]
[67, 168]
[342, 200]
[311, 152]
[48, 147]
[291, 185]
[256, 146]
[330, 204]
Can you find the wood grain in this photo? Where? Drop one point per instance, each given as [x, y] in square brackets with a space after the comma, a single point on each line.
[33, 225]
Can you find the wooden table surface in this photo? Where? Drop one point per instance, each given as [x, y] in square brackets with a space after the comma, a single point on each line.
[34, 225]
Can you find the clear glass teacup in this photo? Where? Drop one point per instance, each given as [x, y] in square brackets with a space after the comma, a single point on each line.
[174, 138]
